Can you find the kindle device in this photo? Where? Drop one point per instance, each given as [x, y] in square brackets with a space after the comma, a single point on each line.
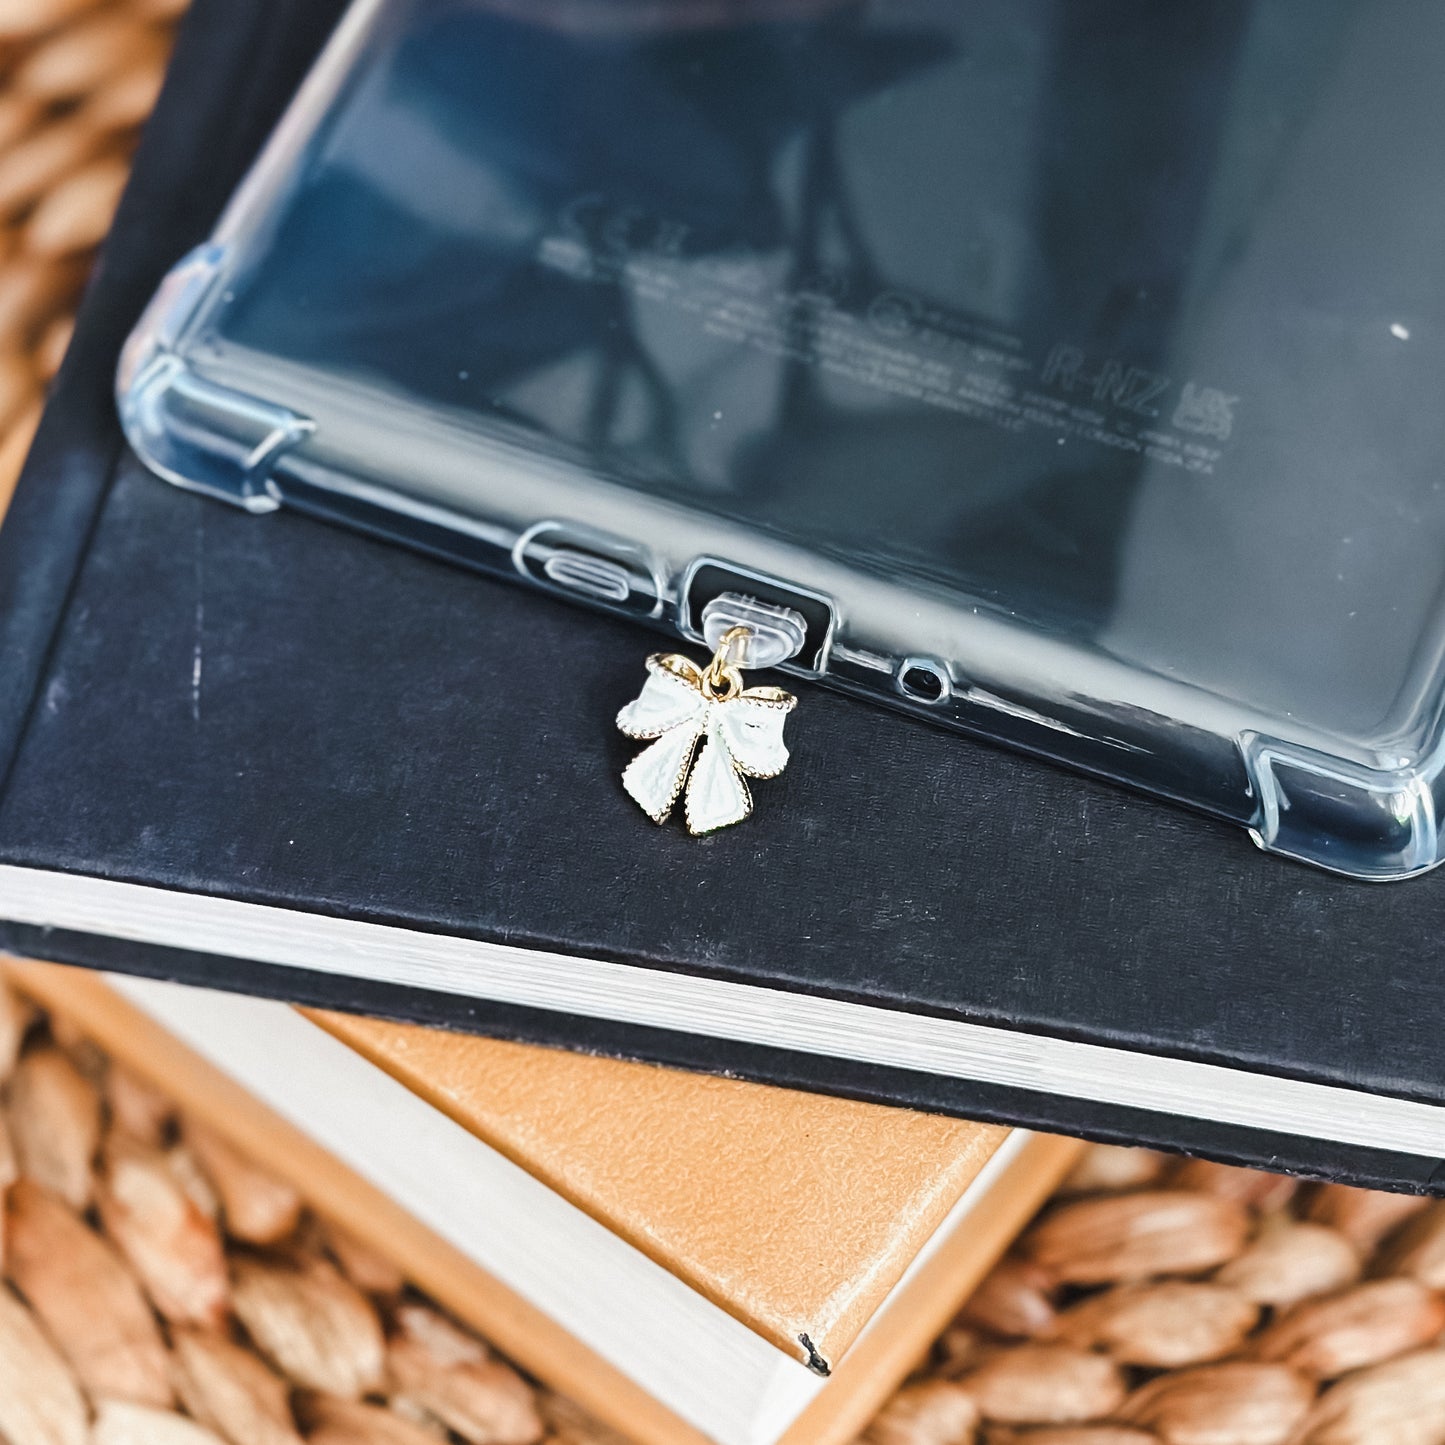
[1073, 372]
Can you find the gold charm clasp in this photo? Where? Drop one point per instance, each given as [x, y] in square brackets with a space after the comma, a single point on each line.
[722, 679]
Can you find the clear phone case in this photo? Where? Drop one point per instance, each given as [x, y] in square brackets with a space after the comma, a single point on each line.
[1075, 371]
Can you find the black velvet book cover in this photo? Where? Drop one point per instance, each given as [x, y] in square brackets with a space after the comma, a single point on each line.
[277, 711]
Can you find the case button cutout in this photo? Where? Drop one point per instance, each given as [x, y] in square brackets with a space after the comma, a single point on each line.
[587, 564]
[582, 572]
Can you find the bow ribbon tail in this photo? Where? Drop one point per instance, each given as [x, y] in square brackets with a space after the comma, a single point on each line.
[717, 794]
[654, 778]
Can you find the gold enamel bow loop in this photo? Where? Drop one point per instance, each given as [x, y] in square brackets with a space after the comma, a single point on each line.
[740, 729]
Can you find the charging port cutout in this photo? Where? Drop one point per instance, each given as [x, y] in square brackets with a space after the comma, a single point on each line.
[709, 580]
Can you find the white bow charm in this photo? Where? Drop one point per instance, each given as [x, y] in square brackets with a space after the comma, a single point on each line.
[741, 731]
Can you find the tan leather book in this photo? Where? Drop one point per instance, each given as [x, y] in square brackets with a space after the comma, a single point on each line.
[519, 1199]
[794, 1212]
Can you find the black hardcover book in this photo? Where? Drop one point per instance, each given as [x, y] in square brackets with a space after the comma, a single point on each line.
[268, 755]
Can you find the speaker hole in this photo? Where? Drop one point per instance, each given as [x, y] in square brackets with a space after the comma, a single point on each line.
[923, 681]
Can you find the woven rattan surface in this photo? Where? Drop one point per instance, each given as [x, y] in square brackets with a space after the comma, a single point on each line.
[77, 81]
[1157, 1298]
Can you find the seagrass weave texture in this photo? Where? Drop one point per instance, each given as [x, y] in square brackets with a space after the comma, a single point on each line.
[77, 80]
[1159, 1299]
